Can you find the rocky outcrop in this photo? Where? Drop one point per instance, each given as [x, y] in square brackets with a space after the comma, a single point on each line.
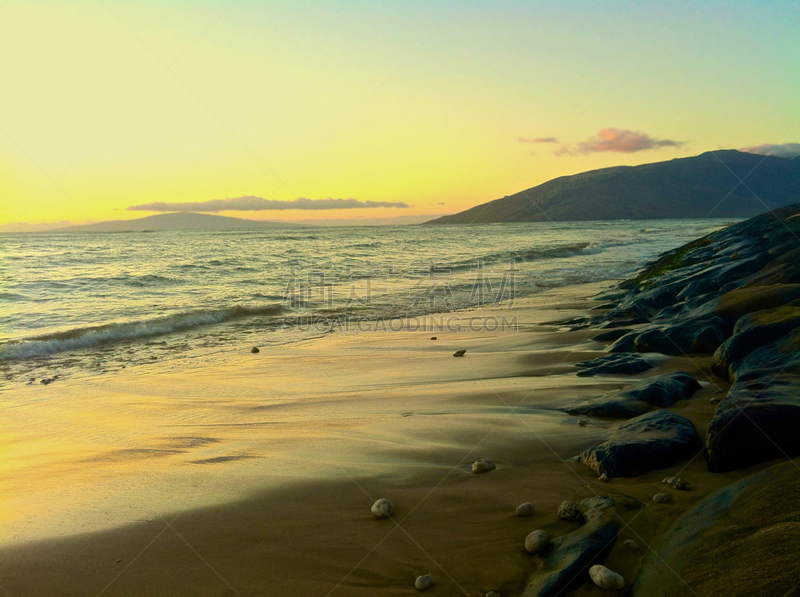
[652, 441]
[741, 540]
[662, 391]
[734, 294]
[759, 418]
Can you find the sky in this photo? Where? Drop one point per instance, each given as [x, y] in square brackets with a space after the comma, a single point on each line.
[352, 109]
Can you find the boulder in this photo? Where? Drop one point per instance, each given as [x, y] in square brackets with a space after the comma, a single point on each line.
[652, 441]
[759, 417]
[569, 557]
[614, 364]
[661, 391]
[752, 331]
[741, 540]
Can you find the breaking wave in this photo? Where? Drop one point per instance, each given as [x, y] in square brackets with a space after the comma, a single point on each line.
[87, 337]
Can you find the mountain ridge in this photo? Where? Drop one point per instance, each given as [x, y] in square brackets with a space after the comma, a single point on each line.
[707, 185]
[177, 221]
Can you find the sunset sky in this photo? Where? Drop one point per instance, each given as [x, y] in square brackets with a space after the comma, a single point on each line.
[436, 106]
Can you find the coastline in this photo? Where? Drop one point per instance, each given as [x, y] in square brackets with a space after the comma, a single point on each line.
[283, 507]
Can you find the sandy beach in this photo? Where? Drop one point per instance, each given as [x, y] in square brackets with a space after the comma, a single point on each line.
[254, 474]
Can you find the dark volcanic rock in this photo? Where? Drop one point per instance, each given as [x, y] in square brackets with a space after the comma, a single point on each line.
[753, 331]
[741, 540]
[648, 442]
[569, 557]
[620, 364]
[759, 418]
[662, 391]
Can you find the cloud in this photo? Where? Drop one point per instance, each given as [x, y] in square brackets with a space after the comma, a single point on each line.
[538, 140]
[618, 141]
[251, 203]
[784, 150]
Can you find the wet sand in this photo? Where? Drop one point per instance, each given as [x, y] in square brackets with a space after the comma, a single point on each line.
[255, 475]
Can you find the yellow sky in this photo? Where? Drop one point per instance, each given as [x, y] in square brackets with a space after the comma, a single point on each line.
[108, 104]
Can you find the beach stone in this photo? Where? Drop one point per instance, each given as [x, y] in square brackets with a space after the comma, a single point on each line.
[382, 508]
[743, 539]
[423, 582]
[655, 440]
[614, 364]
[433, 338]
[255, 350]
[459, 353]
[525, 509]
[536, 541]
[482, 466]
[630, 543]
[603, 478]
[569, 511]
[582, 422]
[570, 555]
[605, 578]
[662, 498]
[678, 483]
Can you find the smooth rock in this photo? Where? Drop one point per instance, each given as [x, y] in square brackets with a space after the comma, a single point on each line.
[433, 337]
[743, 539]
[536, 541]
[382, 508]
[661, 391]
[423, 582]
[582, 422]
[655, 440]
[482, 466]
[525, 509]
[459, 353]
[255, 350]
[630, 543]
[662, 498]
[564, 568]
[603, 478]
[569, 510]
[759, 417]
[605, 578]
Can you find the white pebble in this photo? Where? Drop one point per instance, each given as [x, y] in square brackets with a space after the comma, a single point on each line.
[383, 508]
[482, 466]
[661, 498]
[525, 509]
[569, 510]
[605, 578]
[536, 541]
[603, 478]
[632, 544]
[423, 582]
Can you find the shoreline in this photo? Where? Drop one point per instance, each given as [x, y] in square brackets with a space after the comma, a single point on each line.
[456, 410]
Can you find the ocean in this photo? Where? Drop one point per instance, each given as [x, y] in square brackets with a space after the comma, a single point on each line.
[94, 303]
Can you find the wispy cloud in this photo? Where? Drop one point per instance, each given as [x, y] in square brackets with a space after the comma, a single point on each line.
[782, 150]
[538, 140]
[618, 141]
[251, 203]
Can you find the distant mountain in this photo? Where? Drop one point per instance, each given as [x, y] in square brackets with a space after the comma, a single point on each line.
[177, 221]
[695, 187]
